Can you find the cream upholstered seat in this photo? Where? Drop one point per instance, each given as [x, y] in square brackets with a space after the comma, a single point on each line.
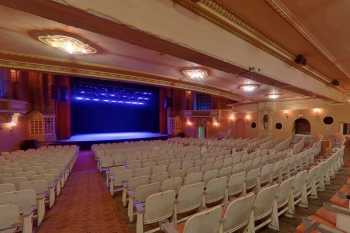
[131, 185]
[265, 207]
[9, 218]
[190, 197]
[215, 190]
[172, 183]
[207, 221]
[139, 196]
[210, 174]
[238, 213]
[26, 202]
[299, 191]
[252, 178]
[41, 188]
[158, 207]
[236, 184]
[117, 177]
[266, 174]
[285, 196]
[145, 171]
[8, 187]
[14, 180]
[193, 177]
[225, 171]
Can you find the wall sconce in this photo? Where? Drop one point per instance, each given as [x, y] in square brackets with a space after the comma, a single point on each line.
[216, 123]
[189, 122]
[248, 117]
[232, 117]
[286, 113]
[317, 111]
[13, 123]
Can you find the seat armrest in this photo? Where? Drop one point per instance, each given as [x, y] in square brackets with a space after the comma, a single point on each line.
[140, 208]
[131, 193]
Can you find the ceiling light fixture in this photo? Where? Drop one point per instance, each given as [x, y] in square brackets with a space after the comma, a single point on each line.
[273, 96]
[197, 74]
[67, 44]
[248, 87]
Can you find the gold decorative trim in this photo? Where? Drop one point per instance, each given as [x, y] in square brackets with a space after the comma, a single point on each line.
[227, 20]
[279, 7]
[22, 62]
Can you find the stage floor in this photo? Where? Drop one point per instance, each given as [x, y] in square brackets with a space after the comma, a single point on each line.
[127, 136]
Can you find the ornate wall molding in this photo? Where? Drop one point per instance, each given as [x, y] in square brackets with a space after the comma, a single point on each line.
[279, 7]
[16, 61]
[216, 13]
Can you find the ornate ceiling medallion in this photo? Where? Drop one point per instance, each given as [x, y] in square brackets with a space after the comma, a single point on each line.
[196, 74]
[67, 44]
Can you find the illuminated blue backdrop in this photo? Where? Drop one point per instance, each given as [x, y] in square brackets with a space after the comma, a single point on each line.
[106, 106]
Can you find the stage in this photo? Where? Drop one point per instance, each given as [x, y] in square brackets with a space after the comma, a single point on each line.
[86, 140]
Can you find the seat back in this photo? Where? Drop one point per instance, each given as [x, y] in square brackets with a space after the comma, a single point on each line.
[264, 201]
[26, 201]
[146, 171]
[251, 178]
[238, 212]
[14, 180]
[159, 177]
[172, 183]
[8, 187]
[225, 171]
[159, 206]
[9, 217]
[143, 191]
[137, 181]
[207, 221]
[120, 174]
[236, 183]
[215, 189]
[208, 175]
[190, 197]
[193, 177]
[299, 182]
[284, 190]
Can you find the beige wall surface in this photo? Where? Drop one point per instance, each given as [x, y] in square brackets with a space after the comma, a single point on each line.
[313, 110]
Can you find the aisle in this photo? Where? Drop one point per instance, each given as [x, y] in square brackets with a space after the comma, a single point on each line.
[85, 206]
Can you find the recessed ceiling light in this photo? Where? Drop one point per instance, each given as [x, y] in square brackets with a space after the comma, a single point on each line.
[273, 96]
[67, 44]
[248, 87]
[197, 74]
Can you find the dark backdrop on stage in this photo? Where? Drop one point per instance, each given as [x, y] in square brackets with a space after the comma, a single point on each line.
[106, 106]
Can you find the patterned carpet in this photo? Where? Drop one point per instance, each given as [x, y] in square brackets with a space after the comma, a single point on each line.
[85, 206]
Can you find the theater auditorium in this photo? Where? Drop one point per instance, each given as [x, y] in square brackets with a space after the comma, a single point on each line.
[174, 116]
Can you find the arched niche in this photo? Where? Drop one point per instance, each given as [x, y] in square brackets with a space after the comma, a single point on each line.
[302, 126]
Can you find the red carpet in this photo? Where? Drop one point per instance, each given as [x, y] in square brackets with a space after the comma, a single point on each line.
[85, 206]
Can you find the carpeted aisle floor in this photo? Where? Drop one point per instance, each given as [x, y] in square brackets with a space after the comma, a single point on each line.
[85, 206]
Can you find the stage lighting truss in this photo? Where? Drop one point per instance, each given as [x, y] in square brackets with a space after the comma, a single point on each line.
[113, 96]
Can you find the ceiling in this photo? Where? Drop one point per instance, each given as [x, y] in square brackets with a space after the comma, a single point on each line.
[314, 28]
[16, 37]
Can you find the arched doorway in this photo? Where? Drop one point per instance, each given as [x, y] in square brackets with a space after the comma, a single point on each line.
[302, 126]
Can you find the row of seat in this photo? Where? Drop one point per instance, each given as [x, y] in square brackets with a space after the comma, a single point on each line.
[333, 217]
[139, 188]
[114, 154]
[30, 181]
[252, 211]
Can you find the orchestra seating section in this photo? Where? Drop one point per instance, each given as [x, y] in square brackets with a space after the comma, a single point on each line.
[30, 181]
[206, 185]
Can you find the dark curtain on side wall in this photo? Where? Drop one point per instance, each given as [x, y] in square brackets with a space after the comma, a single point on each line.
[89, 116]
